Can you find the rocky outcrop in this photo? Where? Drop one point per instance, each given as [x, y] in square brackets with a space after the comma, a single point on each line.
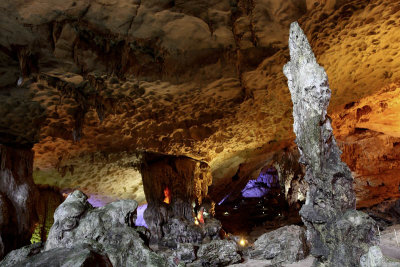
[218, 252]
[375, 258]
[106, 229]
[21, 254]
[77, 256]
[284, 245]
[339, 235]
[18, 196]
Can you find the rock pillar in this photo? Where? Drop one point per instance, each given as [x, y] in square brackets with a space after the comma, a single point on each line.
[339, 234]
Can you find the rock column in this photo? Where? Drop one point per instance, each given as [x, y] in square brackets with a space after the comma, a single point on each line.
[339, 234]
[18, 196]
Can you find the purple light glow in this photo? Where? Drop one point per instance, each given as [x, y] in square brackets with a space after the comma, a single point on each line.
[99, 200]
[222, 201]
[261, 186]
[140, 220]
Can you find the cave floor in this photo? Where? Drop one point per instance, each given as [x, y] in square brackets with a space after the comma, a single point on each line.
[388, 244]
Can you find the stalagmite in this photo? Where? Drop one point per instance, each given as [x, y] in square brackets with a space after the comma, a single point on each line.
[339, 234]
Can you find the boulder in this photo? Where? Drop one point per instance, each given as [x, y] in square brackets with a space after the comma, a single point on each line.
[218, 252]
[21, 254]
[375, 258]
[106, 229]
[78, 256]
[185, 253]
[284, 245]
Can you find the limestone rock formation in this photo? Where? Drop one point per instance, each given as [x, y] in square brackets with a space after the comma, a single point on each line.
[185, 252]
[171, 185]
[218, 252]
[339, 235]
[375, 258]
[284, 245]
[106, 229]
[21, 254]
[18, 196]
[77, 256]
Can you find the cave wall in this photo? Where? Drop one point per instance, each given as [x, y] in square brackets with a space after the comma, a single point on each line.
[18, 198]
[195, 78]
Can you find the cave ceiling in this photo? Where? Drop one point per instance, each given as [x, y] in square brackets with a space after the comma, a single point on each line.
[89, 83]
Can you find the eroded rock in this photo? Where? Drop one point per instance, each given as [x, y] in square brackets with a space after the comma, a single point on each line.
[78, 256]
[330, 201]
[106, 229]
[218, 252]
[375, 258]
[284, 245]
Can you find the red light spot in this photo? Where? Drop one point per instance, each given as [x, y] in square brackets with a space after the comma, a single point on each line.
[167, 195]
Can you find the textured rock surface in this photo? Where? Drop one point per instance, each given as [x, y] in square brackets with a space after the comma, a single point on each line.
[185, 180]
[78, 256]
[339, 235]
[105, 229]
[201, 79]
[18, 196]
[21, 254]
[218, 252]
[375, 258]
[185, 252]
[284, 245]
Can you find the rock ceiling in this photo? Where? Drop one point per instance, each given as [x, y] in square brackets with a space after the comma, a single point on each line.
[91, 82]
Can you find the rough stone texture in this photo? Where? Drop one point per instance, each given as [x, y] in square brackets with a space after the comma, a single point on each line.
[375, 258]
[123, 75]
[185, 252]
[106, 229]
[187, 181]
[18, 196]
[78, 256]
[333, 225]
[218, 252]
[21, 254]
[178, 230]
[284, 245]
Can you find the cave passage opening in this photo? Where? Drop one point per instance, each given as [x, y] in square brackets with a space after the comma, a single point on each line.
[261, 205]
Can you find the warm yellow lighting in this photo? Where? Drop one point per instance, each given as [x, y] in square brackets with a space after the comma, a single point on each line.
[242, 242]
[196, 222]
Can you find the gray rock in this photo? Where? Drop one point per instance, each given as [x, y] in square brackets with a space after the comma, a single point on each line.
[185, 253]
[375, 258]
[218, 252]
[105, 229]
[184, 231]
[78, 256]
[284, 245]
[21, 254]
[330, 201]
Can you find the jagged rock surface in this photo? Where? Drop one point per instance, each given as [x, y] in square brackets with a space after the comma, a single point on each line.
[77, 256]
[218, 252]
[330, 202]
[18, 196]
[106, 229]
[284, 245]
[21, 254]
[375, 258]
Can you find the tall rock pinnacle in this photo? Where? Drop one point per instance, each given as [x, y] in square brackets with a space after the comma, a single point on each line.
[339, 234]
